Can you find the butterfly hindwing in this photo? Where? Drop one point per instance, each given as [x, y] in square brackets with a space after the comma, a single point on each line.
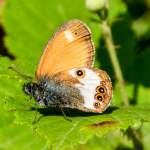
[85, 88]
[94, 86]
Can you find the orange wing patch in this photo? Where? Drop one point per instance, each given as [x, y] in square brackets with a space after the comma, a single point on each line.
[70, 47]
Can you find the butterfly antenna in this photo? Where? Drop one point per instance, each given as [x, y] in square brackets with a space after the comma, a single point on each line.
[18, 71]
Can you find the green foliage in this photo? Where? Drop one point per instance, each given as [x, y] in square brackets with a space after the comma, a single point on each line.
[62, 133]
[28, 26]
[12, 134]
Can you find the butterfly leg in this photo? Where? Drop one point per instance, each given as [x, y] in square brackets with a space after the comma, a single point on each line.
[35, 114]
[27, 104]
[64, 114]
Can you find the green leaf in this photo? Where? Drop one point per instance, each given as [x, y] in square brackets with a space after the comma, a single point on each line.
[62, 133]
[120, 140]
[36, 22]
[25, 67]
[12, 134]
[116, 11]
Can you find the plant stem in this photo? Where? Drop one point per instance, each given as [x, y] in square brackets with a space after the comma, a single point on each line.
[113, 56]
[135, 137]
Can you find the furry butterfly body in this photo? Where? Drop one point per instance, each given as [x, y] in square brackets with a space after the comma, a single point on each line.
[52, 92]
[65, 76]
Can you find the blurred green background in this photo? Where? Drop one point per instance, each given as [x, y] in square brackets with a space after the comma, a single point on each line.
[26, 27]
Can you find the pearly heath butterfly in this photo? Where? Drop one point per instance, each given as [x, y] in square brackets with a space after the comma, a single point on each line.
[64, 76]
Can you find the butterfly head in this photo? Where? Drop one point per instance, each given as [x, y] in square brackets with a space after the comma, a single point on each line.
[35, 90]
[30, 88]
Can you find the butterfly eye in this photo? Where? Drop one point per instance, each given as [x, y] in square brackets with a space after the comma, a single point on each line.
[29, 88]
[80, 73]
[99, 97]
[101, 89]
[96, 104]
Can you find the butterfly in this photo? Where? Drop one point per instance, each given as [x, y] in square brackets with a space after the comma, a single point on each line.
[65, 76]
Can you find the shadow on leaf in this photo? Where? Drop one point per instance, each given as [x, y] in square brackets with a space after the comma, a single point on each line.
[56, 111]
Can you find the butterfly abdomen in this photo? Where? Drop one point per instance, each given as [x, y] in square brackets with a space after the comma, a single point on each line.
[66, 96]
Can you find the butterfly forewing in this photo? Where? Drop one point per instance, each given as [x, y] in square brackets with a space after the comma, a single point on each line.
[70, 47]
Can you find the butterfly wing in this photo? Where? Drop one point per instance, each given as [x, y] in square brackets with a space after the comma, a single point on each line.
[70, 47]
[89, 89]
[95, 88]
